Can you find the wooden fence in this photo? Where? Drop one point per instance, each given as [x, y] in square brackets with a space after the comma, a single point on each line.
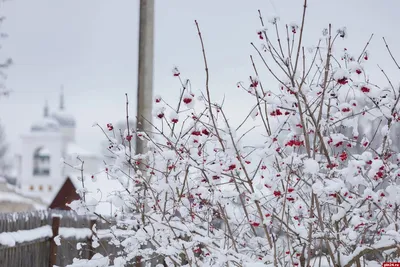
[37, 247]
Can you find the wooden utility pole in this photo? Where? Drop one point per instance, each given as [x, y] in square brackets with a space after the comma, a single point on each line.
[145, 81]
[145, 71]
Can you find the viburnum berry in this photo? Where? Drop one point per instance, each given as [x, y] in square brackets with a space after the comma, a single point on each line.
[196, 133]
[157, 99]
[331, 166]
[294, 27]
[159, 113]
[129, 137]
[231, 167]
[253, 82]
[110, 126]
[187, 99]
[205, 131]
[342, 32]
[255, 224]
[366, 56]
[276, 112]
[342, 81]
[343, 156]
[175, 72]
[365, 89]
[294, 143]
[338, 144]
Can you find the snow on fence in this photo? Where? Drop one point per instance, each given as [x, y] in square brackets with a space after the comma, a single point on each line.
[47, 238]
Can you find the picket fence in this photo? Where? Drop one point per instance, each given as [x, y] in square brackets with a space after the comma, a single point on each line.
[37, 247]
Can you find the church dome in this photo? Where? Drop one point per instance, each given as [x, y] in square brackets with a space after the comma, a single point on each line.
[61, 116]
[64, 119]
[45, 125]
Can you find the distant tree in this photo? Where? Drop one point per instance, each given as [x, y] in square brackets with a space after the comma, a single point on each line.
[4, 148]
[5, 61]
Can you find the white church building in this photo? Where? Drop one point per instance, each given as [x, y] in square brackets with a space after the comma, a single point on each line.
[47, 148]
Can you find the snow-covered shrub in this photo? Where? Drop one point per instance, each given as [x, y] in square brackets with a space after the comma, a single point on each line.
[321, 190]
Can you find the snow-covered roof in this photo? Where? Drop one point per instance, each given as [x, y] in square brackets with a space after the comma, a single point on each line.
[10, 193]
[64, 119]
[45, 125]
[102, 189]
[74, 150]
[16, 198]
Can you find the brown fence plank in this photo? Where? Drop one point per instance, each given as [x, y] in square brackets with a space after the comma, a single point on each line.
[53, 246]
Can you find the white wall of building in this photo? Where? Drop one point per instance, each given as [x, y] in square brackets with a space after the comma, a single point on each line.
[56, 135]
[68, 135]
[44, 186]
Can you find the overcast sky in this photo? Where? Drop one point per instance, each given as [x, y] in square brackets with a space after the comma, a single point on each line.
[90, 47]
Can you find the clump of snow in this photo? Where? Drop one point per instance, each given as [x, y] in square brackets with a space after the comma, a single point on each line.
[117, 201]
[340, 74]
[109, 233]
[21, 236]
[84, 208]
[311, 166]
[76, 233]
[273, 19]
[97, 260]
[174, 117]
[57, 240]
[342, 32]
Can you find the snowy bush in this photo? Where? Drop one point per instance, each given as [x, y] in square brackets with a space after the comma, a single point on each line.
[321, 190]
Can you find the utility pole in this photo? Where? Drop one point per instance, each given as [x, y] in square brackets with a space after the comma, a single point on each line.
[145, 71]
[145, 84]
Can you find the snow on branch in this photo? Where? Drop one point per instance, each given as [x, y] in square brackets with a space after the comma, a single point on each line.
[308, 174]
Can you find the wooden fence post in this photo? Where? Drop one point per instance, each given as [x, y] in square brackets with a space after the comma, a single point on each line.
[91, 248]
[53, 246]
[138, 261]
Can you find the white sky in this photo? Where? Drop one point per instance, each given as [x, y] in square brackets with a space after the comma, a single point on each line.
[91, 48]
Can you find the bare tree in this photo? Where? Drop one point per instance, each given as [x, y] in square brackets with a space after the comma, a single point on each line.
[5, 61]
[4, 148]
